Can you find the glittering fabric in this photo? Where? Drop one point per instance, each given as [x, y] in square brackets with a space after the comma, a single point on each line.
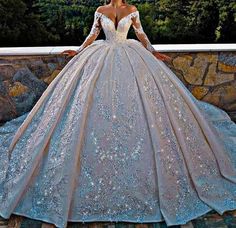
[116, 136]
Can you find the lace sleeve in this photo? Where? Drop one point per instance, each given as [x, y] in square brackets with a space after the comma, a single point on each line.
[140, 33]
[94, 32]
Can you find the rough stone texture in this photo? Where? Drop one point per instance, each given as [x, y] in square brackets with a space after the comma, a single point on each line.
[210, 76]
[23, 79]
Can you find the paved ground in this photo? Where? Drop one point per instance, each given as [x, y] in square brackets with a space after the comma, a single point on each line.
[210, 220]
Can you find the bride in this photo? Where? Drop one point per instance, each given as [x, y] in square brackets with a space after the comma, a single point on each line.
[116, 136]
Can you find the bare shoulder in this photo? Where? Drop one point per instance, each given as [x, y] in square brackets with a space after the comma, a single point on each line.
[101, 9]
[104, 8]
[132, 8]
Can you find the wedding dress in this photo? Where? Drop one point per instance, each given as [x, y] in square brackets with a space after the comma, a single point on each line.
[116, 136]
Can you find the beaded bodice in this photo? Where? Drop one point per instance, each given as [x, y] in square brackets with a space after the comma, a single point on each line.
[111, 32]
[116, 34]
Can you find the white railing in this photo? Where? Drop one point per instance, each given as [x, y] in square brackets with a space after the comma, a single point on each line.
[159, 47]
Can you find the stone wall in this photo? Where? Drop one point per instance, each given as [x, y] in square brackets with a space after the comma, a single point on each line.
[23, 79]
[210, 76]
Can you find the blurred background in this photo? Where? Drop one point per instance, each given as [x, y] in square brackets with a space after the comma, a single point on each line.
[68, 22]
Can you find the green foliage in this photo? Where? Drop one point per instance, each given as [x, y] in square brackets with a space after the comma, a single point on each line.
[226, 30]
[19, 27]
[203, 20]
[68, 22]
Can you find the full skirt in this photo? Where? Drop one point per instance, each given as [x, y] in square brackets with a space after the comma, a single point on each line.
[116, 136]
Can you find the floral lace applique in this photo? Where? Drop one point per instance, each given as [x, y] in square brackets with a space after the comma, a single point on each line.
[94, 32]
[140, 32]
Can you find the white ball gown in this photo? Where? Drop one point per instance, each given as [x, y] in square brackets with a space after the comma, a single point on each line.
[116, 136]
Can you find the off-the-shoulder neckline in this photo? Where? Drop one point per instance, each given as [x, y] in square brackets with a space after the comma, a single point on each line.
[102, 14]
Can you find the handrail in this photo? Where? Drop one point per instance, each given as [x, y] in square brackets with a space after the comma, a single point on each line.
[53, 50]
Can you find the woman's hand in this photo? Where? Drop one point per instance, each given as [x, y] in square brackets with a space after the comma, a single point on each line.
[69, 53]
[162, 57]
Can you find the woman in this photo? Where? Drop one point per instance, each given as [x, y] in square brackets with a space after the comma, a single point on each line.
[117, 137]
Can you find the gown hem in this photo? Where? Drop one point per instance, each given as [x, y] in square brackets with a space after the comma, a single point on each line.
[42, 219]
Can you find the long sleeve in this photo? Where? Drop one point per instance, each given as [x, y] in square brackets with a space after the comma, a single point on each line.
[141, 35]
[94, 32]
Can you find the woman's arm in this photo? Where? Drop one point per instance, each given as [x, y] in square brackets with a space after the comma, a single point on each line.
[143, 38]
[141, 35]
[94, 32]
